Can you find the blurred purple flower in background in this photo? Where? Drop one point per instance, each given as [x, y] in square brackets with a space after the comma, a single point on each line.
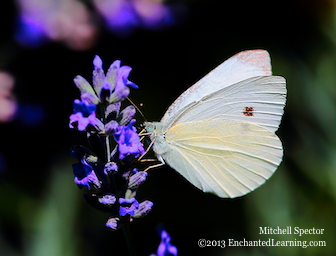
[67, 21]
[74, 24]
[122, 16]
[8, 105]
[165, 247]
[30, 114]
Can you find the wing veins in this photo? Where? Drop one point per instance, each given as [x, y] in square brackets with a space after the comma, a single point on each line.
[178, 141]
[230, 152]
[235, 169]
[205, 169]
[186, 159]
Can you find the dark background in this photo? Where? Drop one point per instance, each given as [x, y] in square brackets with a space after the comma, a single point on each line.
[41, 208]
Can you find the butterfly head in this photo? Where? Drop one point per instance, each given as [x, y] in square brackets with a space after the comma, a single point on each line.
[155, 132]
[153, 128]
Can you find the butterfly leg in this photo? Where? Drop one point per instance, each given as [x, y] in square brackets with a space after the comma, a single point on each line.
[156, 165]
[149, 147]
[153, 166]
[149, 160]
[142, 131]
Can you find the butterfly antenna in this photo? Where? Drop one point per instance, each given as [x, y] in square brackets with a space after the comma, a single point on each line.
[136, 107]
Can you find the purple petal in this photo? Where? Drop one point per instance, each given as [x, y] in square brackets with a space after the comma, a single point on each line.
[97, 62]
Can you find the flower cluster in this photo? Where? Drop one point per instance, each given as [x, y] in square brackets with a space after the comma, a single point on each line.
[123, 16]
[105, 169]
[75, 23]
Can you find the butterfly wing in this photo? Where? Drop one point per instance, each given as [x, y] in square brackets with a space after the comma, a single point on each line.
[242, 66]
[258, 100]
[224, 157]
[219, 134]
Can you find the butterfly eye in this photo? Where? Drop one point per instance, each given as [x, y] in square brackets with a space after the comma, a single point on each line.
[149, 128]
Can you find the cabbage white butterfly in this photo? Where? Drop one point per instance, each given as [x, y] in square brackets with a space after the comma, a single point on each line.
[220, 133]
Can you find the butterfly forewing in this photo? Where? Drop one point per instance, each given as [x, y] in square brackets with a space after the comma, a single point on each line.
[223, 157]
[242, 66]
[259, 100]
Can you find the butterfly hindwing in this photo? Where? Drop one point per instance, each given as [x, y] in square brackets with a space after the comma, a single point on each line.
[223, 157]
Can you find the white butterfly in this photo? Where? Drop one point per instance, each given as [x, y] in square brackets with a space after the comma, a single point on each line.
[220, 133]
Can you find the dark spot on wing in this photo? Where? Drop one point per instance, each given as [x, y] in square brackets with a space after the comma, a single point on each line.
[248, 111]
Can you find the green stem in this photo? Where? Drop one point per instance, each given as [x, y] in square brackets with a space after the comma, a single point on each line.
[108, 150]
[125, 226]
[127, 234]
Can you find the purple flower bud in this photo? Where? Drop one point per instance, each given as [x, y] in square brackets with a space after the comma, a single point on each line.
[91, 159]
[89, 98]
[108, 199]
[105, 92]
[97, 62]
[86, 89]
[119, 95]
[98, 76]
[136, 180]
[122, 77]
[127, 115]
[85, 176]
[84, 115]
[128, 206]
[113, 109]
[110, 167]
[85, 109]
[117, 76]
[111, 127]
[113, 223]
[111, 75]
[144, 208]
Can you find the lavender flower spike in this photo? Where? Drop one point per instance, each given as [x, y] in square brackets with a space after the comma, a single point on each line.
[106, 168]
